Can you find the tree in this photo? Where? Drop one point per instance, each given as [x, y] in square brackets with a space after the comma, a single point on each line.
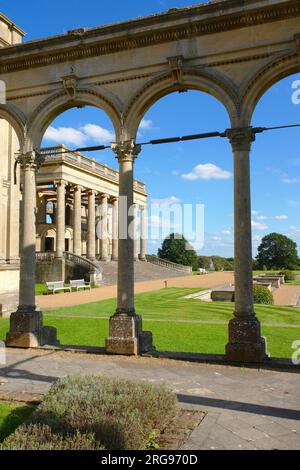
[177, 249]
[277, 251]
[204, 262]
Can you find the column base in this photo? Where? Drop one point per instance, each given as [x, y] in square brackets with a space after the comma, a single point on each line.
[246, 345]
[27, 330]
[126, 336]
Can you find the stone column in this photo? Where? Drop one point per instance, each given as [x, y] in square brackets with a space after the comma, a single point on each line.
[115, 230]
[125, 326]
[103, 225]
[60, 218]
[135, 232]
[77, 231]
[143, 241]
[245, 341]
[91, 241]
[26, 324]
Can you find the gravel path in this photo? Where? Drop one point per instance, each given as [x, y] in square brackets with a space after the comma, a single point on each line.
[48, 302]
[287, 295]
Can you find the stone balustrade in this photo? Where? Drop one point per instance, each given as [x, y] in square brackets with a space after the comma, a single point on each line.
[169, 264]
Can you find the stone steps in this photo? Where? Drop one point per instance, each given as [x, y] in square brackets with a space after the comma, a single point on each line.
[143, 271]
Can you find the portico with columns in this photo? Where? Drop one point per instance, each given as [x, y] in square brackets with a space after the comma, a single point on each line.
[82, 218]
[185, 48]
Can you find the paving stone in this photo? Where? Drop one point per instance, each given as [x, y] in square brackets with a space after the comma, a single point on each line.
[291, 439]
[239, 414]
[272, 429]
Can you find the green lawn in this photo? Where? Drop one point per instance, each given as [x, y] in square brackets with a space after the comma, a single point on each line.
[175, 330]
[11, 416]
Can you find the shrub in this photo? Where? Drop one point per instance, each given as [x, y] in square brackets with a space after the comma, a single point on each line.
[262, 295]
[41, 437]
[288, 275]
[97, 412]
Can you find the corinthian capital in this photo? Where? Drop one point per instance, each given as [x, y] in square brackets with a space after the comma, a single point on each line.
[126, 151]
[30, 161]
[241, 138]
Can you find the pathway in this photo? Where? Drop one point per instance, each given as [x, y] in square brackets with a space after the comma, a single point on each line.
[48, 302]
[246, 408]
[286, 295]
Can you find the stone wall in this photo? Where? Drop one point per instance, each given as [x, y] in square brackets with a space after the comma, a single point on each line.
[9, 290]
[47, 271]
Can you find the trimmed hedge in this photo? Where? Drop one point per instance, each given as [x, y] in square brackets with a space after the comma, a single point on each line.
[262, 295]
[288, 275]
[93, 412]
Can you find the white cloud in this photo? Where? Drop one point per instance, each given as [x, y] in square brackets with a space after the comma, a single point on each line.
[98, 133]
[255, 213]
[281, 217]
[261, 217]
[258, 225]
[291, 180]
[168, 201]
[207, 171]
[78, 137]
[226, 232]
[146, 125]
[216, 238]
[65, 135]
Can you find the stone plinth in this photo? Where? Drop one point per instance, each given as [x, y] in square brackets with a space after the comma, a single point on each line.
[126, 336]
[222, 296]
[245, 342]
[27, 330]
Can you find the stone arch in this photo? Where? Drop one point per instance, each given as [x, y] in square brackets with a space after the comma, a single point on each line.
[50, 232]
[264, 79]
[16, 119]
[211, 83]
[59, 102]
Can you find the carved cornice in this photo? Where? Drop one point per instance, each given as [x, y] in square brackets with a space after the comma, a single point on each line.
[126, 151]
[131, 39]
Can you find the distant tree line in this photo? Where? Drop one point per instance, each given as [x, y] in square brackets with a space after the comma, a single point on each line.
[276, 251]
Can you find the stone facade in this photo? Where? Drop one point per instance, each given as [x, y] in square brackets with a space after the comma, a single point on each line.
[86, 182]
[232, 49]
[9, 195]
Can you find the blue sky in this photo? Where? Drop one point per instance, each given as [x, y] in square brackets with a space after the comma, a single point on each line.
[195, 172]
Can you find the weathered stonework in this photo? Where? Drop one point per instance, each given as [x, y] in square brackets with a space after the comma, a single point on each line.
[27, 330]
[185, 48]
[126, 336]
[245, 341]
